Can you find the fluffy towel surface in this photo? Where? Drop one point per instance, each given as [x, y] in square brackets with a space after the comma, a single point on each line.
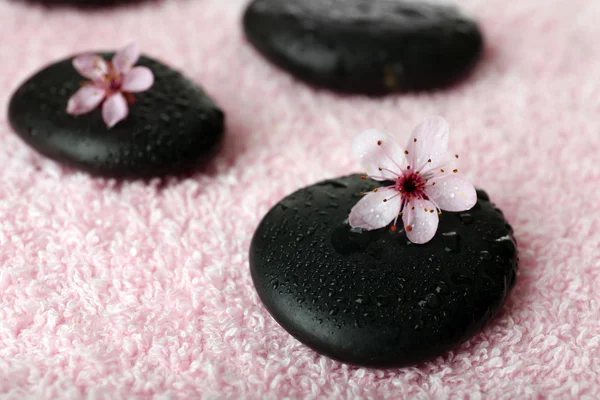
[142, 290]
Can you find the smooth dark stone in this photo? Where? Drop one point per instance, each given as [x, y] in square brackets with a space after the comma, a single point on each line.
[365, 46]
[374, 298]
[172, 128]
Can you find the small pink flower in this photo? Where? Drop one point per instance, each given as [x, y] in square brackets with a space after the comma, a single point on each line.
[425, 181]
[111, 82]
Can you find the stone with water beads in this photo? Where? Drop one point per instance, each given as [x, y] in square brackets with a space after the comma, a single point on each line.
[340, 278]
[130, 117]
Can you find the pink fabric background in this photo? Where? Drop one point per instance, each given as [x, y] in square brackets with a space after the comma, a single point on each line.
[135, 290]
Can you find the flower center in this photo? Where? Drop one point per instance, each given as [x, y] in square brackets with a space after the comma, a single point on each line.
[411, 185]
[114, 82]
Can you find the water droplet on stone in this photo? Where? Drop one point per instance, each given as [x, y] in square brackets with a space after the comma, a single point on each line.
[441, 288]
[369, 316]
[482, 195]
[461, 279]
[338, 183]
[383, 301]
[485, 255]
[466, 218]
[408, 12]
[362, 299]
[451, 241]
[433, 301]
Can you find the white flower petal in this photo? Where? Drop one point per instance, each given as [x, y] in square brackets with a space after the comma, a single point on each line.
[420, 223]
[453, 193]
[376, 150]
[372, 212]
[126, 58]
[137, 80]
[85, 100]
[115, 109]
[429, 141]
[448, 164]
[91, 66]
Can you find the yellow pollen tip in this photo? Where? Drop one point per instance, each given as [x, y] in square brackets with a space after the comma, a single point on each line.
[375, 190]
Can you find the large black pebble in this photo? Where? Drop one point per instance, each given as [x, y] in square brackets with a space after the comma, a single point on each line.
[365, 46]
[171, 129]
[373, 298]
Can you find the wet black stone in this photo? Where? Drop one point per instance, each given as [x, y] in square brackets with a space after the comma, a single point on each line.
[172, 128]
[374, 298]
[365, 46]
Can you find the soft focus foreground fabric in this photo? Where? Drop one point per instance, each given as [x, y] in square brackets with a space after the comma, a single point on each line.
[142, 290]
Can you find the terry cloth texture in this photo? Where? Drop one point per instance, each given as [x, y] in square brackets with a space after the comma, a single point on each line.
[133, 290]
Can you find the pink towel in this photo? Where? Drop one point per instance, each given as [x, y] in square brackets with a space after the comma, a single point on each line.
[136, 290]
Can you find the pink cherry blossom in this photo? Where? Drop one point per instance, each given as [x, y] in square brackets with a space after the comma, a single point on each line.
[425, 181]
[112, 84]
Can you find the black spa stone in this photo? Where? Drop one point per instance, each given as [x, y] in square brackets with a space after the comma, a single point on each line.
[365, 46]
[373, 298]
[171, 129]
